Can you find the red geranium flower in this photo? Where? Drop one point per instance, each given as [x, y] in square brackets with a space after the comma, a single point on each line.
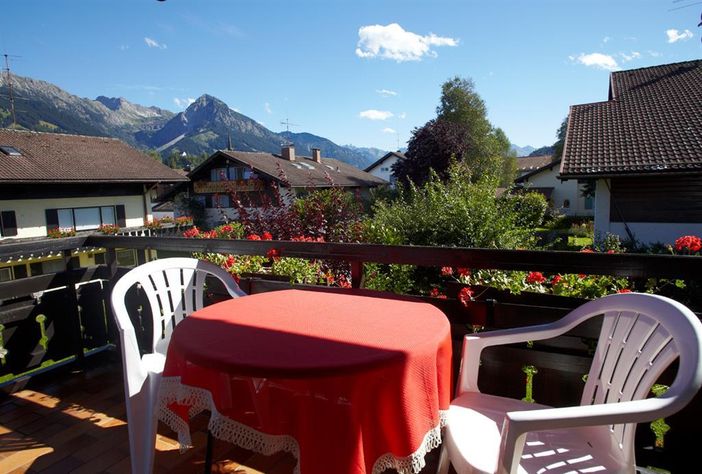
[587, 251]
[229, 262]
[691, 243]
[464, 272]
[446, 271]
[556, 280]
[194, 232]
[267, 236]
[535, 277]
[465, 295]
[624, 290]
[273, 254]
[253, 237]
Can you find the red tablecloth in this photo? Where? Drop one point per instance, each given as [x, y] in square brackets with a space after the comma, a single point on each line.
[346, 383]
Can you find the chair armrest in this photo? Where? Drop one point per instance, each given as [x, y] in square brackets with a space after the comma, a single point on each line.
[134, 371]
[518, 423]
[474, 344]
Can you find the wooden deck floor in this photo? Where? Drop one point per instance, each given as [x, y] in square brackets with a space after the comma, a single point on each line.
[69, 421]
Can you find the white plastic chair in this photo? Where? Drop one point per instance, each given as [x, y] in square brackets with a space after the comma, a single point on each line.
[174, 288]
[641, 335]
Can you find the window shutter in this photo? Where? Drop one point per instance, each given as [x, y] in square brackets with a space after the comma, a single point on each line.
[121, 216]
[8, 223]
[52, 221]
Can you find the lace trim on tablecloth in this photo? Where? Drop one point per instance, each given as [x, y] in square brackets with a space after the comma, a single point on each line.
[416, 461]
[221, 427]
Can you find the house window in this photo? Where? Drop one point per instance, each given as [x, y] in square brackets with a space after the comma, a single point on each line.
[6, 274]
[384, 169]
[219, 200]
[566, 203]
[218, 174]
[126, 257]
[85, 218]
[8, 224]
[52, 266]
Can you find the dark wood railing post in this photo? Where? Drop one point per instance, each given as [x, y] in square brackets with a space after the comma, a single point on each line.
[356, 273]
[73, 310]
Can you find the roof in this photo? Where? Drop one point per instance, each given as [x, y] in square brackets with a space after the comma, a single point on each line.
[530, 163]
[61, 158]
[303, 172]
[651, 125]
[389, 154]
[547, 166]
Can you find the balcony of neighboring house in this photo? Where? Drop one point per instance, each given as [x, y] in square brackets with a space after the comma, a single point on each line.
[62, 407]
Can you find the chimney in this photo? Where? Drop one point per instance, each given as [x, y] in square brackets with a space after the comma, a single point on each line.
[288, 152]
[317, 155]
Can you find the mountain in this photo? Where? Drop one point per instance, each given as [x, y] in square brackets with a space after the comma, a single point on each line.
[373, 154]
[521, 150]
[205, 126]
[42, 106]
[544, 150]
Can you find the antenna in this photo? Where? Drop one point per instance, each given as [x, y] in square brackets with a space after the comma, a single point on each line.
[9, 87]
[287, 124]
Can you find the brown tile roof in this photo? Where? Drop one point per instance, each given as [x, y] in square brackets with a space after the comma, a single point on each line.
[550, 164]
[303, 172]
[60, 158]
[531, 163]
[651, 125]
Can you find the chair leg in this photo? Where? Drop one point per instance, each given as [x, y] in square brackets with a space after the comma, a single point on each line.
[208, 453]
[444, 462]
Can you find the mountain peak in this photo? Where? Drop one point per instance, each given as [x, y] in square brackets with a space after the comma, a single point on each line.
[112, 103]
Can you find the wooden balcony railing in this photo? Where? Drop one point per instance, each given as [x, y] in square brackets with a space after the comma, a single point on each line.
[60, 318]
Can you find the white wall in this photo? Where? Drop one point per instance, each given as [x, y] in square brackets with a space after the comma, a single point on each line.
[384, 169]
[644, 232]
[562, 190]
[31, 217]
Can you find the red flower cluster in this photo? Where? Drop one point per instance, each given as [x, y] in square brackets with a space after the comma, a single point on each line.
[435, 293]
[343, 282]
[191, 233]
[302, 238]
[624, 290]
[535, 277]
[273, 254]
[465, 295]
[267, 236]
[464, 272]
[691, 243]
[556, 280]
[253, 237]
[446, 271]
[229, 262]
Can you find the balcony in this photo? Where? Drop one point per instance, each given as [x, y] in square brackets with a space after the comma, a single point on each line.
[62, 407]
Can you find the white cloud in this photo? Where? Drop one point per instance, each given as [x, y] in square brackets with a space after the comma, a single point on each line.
[152, 43]
[596, 60]
[123, 47]
[393, 42]
[655, 54]
[373, 114]
[606, 39]
[675, 35]
[267, 108]
[386, 92]
[183, 103]
[403, 115]
[388, 130]
[629, 57]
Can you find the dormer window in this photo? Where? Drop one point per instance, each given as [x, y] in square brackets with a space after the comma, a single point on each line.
[10, 150]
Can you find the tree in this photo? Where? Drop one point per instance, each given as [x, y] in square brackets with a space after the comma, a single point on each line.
[560, 135]
[461, 131]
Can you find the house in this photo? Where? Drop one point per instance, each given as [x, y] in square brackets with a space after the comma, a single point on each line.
[643, 147]
[383, 167]
[251, 175]
[53, 182]
[540, 174]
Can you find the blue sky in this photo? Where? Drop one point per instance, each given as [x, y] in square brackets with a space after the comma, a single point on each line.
[362, 72]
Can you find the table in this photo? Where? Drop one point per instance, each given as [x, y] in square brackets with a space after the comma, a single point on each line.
[344, 382]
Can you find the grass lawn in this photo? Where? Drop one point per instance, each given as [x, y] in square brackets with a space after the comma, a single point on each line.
[574, 241]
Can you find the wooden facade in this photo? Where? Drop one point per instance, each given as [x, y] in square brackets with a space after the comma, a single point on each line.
[658, 198]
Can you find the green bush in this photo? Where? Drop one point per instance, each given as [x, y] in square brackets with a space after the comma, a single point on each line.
[456, 212]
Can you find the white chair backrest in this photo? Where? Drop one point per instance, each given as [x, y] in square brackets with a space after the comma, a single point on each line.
[641, 336]
[174, 288]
